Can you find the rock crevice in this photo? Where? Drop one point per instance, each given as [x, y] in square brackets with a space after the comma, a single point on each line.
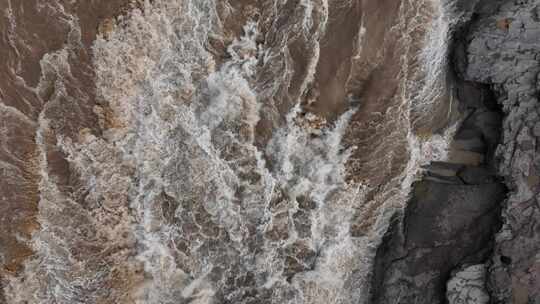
[437, 248]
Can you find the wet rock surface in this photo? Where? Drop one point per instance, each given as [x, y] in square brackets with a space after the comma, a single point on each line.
[468, 286]
[503, 51]
[452, 216]
[443, 226]
[495, 56]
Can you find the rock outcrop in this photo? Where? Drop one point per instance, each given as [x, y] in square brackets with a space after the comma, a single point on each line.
[448, 223]
[468, 286]
[452, 216]
[450, 244]
[502, 50]
[444, 225]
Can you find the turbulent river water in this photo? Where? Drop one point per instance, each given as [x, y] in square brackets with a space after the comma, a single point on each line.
[200, 151]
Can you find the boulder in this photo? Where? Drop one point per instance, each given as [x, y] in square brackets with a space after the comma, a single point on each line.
[442, 227]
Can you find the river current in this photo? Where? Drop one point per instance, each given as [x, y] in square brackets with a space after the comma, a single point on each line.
[220, 151]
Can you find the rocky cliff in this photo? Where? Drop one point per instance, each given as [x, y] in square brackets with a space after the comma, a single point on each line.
[503, 51]
[461, 239]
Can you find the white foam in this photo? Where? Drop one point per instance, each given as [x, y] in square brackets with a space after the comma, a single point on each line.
[179, 126]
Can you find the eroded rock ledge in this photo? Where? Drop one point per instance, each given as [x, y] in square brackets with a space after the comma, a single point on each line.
[452, 228]
[503, 51]
[452, 216]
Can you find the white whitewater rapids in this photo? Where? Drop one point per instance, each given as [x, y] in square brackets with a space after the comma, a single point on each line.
[181, 206]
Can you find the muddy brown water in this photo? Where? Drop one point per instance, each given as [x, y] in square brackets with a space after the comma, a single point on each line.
[342, 55]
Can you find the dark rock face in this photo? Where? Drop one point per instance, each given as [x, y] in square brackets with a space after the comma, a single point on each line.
[502, 50]
[454, 213]
[496, 57]
[444, 225]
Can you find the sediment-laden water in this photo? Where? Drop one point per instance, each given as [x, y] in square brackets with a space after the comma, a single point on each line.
[212, 151]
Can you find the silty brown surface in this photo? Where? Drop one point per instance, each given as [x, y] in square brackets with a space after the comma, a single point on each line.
[29, 30]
